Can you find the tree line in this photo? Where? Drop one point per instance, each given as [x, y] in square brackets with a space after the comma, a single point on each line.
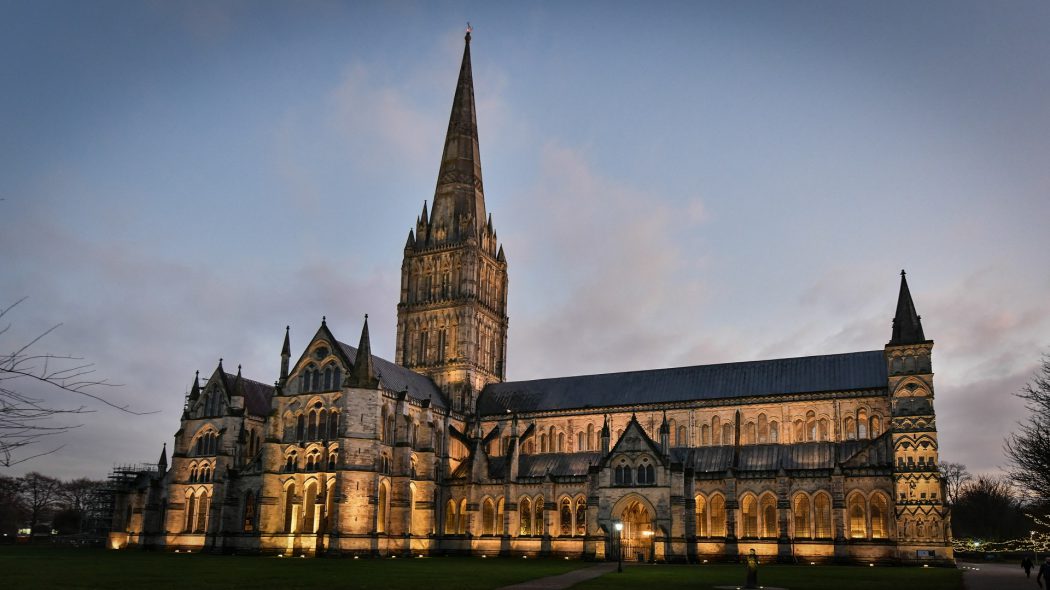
[46, 505]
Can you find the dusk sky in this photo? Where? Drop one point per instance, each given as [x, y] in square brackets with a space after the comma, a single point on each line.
[673, 183]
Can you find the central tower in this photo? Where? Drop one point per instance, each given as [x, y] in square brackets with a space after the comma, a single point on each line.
[452, 316]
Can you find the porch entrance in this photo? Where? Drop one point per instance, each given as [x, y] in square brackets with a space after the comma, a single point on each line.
[637, 543]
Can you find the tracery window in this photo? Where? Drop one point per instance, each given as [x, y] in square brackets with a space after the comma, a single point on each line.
[774, 432]
[191, 509]
[450, 517]
[811, 425]
[862, 424]
[462, 516]
[525, 516]
[581, 516]
[203, 505]
[701, 517]
[646, 474]
[309, 510]
[876, 426]
[857, 526]
[824, 427]
[488, 517]
[822, 515]
[800, 510]
[749, 433]
[537, 521]
[565, 518]
[849, 428]
[879, 517]
[718, 516]
[749, 513]
[769, 516]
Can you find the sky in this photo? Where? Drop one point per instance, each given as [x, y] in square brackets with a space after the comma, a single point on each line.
[673, 184]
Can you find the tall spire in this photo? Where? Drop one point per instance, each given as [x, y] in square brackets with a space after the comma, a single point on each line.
[195, 391]
[162, 463]
[286, 353]
[459, 198]
[364, 371]
[907, 323]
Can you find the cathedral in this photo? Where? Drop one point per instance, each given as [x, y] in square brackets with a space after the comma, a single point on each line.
[827, 458]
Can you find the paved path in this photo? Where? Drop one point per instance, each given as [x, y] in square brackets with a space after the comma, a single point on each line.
[996, 576]
[564, 580]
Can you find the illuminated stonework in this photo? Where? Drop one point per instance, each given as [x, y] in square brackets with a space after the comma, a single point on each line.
[816, 458]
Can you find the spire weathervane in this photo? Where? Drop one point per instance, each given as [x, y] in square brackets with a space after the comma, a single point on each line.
[470, 30]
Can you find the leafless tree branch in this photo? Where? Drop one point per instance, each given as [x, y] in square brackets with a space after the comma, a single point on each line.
[26, 420]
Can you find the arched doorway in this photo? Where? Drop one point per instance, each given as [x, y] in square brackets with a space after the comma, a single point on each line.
[637, 540]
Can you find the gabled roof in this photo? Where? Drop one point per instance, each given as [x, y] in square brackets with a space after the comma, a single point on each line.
[397, 378]
[812, 374]
[257, 395]
[635, 439]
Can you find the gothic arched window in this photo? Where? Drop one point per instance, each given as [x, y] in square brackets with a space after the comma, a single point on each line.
[701, 517]
[565, 517]
[800, 511]
[858, 528]
[488, 517]
[525, 516]
[581, 516]
[822, 515]
[718, 516]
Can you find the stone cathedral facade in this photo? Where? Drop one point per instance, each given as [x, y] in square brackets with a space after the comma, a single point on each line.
[822, 458]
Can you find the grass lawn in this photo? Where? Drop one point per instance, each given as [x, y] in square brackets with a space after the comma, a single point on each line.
[794, 577]
[47, 567]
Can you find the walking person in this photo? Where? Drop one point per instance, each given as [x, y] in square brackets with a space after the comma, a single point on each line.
[1044, 572]
[1027, 564]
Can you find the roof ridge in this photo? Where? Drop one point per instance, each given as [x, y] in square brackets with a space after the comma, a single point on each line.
[683, 367]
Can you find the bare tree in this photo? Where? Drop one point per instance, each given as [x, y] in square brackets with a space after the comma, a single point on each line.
[12, 509]
[39, 493]
[75, 493]
[27, 419]
[1028, 448]
[989, 508]
[954, 476]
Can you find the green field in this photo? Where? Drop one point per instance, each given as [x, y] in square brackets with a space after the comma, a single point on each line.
[45, 567]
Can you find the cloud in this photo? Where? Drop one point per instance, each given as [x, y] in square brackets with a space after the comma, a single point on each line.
[610, 255]
[382, 123]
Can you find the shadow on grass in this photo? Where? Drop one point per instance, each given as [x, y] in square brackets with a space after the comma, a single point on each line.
[47, 567]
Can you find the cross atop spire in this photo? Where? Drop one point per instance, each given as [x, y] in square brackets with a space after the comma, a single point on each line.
[907, 323]
[459, 200]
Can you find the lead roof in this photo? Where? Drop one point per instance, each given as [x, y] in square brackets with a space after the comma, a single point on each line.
[811, 374]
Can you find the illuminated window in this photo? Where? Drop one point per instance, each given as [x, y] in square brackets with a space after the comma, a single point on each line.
[800, 510]
[701, 517]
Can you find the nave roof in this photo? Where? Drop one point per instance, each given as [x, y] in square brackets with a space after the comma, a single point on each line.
[394, 377]
[811, 374]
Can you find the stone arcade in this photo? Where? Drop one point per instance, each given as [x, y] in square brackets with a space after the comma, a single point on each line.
[817, 458]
